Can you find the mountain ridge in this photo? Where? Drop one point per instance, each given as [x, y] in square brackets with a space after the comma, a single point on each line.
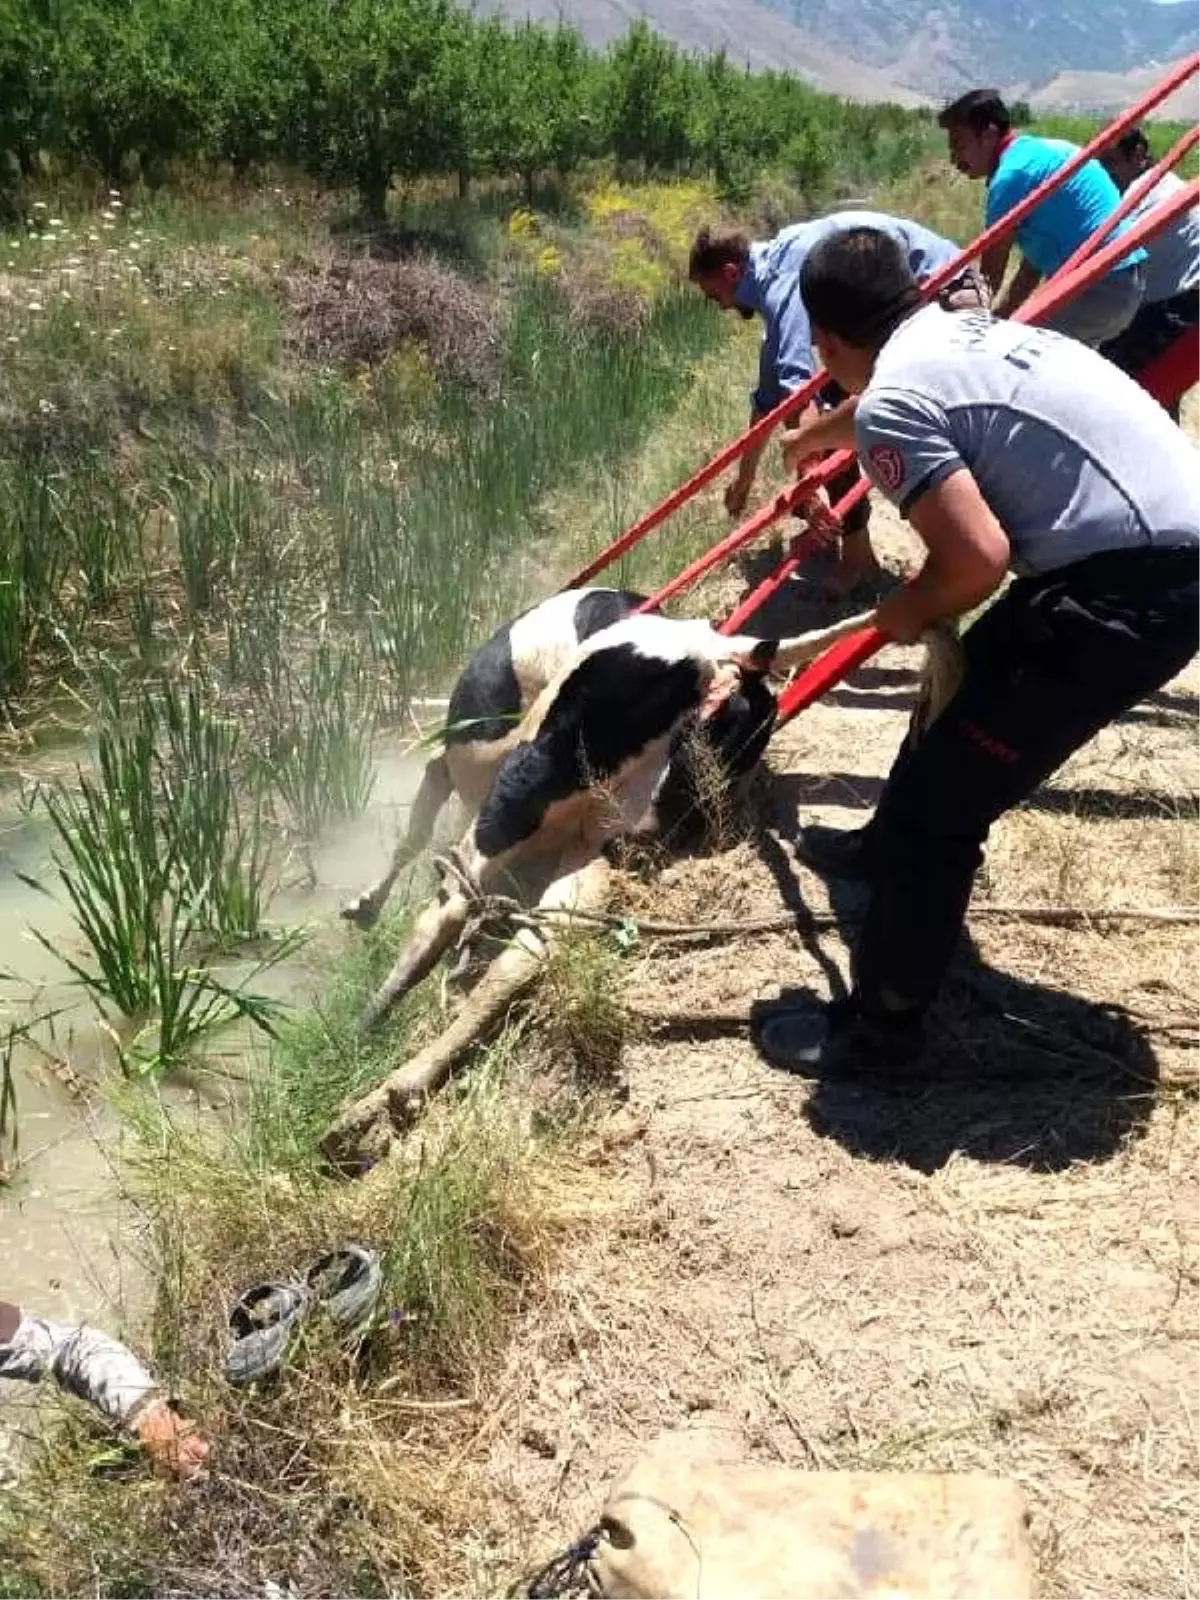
[939, 47]
[1054, 53]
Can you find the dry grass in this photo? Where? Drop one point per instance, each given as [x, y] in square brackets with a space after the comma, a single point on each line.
[356, 311]
[581, 1019]
[995, 1269]
[353, 1472]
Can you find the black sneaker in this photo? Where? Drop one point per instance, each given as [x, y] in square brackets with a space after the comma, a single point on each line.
[814, 1040]
[837, 852]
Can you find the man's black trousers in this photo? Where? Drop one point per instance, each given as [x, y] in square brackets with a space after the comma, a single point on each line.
[1047, 665]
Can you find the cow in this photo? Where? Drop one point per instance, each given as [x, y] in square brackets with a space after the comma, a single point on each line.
[497, 686]
[599, 754]
[607, 751]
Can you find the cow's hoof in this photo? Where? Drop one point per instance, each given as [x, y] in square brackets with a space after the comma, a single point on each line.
[363, 912]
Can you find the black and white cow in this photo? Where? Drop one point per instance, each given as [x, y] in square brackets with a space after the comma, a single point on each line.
[496, 687]
[599, 753]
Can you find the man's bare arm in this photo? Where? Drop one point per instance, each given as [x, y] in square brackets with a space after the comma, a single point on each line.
[1025, 281]
[818, 431]
[968, 557]
[993, 263]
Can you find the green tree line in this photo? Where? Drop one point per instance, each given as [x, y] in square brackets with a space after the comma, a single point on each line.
[366, 92]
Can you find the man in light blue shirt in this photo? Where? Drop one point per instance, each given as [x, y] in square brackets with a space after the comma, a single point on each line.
[983, 144]
[762, 278]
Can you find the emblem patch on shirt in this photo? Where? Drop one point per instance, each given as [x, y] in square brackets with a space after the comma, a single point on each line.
[887, 464]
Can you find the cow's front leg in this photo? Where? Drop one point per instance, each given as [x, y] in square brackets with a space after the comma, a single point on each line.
[436, 930]
[363, 1131]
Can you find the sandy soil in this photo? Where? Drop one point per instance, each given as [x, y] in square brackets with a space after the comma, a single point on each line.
[996, 1268]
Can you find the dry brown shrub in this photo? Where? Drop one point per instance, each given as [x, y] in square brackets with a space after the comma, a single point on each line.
[594, 303]
[356, 311]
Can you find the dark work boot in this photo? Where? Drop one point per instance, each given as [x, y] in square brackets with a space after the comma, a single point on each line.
[837, 852]
[814, 1039]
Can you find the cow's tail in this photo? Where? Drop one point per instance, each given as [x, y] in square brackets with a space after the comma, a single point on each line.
[940, 676]
[434, 932]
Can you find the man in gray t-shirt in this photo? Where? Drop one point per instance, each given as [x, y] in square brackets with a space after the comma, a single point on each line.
[1007, 448]
[1170, 307]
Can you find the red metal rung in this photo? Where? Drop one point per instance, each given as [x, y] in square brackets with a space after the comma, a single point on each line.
[1174, 370]
[783, 502]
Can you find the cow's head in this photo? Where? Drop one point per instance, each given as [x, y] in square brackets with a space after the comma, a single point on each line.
[721, 744]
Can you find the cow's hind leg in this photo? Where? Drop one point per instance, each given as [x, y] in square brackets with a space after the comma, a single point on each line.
[363, 1130]
[435, 789]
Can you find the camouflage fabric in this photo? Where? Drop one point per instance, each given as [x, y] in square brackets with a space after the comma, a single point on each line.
[82, 1360]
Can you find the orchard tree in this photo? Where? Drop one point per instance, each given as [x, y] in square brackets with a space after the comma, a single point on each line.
[550, 98]
[127, 79]
[373, 94]
[647, 118]
[26, 85]
[258, 80]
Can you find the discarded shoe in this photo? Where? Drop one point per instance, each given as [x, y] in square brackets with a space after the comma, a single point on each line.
[344, 1282]
[264, 1321]
[347, 1282]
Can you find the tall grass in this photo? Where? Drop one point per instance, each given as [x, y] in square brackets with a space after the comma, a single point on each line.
[154, 853]
[466, 1227]
[319, 738]
[471, 544]
[34, 563]
[12, 1035]
[213, 815]
[414, 529]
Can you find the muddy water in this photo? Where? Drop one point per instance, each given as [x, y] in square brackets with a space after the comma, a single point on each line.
[70, 1245]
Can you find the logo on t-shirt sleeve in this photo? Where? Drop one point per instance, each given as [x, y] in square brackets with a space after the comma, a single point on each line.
[887, 466]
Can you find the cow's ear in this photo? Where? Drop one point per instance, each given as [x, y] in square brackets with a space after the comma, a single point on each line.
[760, 659]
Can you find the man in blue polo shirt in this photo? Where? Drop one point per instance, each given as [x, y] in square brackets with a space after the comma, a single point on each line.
[983, 144]
[762, 278]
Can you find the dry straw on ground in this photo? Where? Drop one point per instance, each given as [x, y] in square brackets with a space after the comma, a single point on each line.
[992, 1267]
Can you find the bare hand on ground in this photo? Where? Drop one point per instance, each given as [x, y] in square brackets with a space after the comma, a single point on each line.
[174, 1445]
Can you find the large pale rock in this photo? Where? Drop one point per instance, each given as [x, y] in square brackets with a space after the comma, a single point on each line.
[689, 1522]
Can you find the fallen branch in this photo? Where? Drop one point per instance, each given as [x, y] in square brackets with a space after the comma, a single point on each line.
[806, 920]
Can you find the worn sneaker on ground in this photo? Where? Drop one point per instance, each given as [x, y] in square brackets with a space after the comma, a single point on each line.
[837, 852]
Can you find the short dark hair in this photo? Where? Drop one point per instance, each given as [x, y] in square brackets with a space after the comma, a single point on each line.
[858, 285]
[1133, 143]
[712, 251]
[977, 109]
